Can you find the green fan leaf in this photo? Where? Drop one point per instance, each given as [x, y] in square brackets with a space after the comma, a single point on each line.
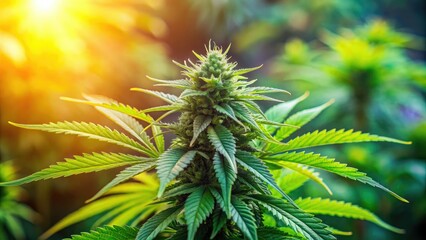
[163, 108]
[177, 83]
[119, 107]
[218, 221]
[327, 164]
[191, 92]
[108, 232]
[254, 97]
[328, 137]
[125, 121]
[181, 189]
[164, 96]
[245, 70]
[124, 175]
[258, 168]
[158, 223]
[198, 206]
[226, 177]
[80, 164]
[201, 122]
[341, 209]
[304, 223]
[90, 130]
[228, 111]
[224, 142]
[170, 164]
[310, 173]
[257, 90]
[299, 119]
[243, 217]
[279, 112]
[244, 114]
[289, 181]
[240, 214]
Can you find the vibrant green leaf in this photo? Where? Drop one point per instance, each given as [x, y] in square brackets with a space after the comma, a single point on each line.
[201, 122]
[178, 83]
[191, 92]
[327, 164]
[304, 223]
[218, 221]
[198, 206]
[245, 70]
[240, 214]
[124, 175]
[140, 194]
[80, 164]
[279, 112]
[307, 172]
[108, 232]
[328, 137]
[158, 223]
[165, 96]
[289, 180]
[228, 111]
[125, 121]
[226, 177]
[341, 209]
[224, 142]
[89, 130]
[258, 168]
[170, 164]
[119, 107]
[181, 189]
[299, 119]
[257, 90]
[243, 218]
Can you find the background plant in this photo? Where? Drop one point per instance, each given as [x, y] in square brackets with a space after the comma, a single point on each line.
[379, 88]
[13, 214]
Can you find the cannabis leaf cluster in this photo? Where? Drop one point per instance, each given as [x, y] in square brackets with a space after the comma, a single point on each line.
[218, 179]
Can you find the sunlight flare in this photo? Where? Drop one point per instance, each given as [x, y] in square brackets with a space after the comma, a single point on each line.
[44, 7]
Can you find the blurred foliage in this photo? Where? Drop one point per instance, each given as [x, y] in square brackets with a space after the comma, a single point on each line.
[299, 18]
[367, 69]
[379, 88]
[51, 48]
[125, 204]
[224, 16]
[12, 213]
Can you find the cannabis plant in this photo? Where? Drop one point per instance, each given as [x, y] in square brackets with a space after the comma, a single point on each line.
[367, 68]
[12, 213]
[215, 179]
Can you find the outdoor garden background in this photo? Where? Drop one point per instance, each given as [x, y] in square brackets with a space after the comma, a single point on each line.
[367, 55]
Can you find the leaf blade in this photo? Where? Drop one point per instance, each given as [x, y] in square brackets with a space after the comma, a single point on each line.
[158, 223]
[198, 206]
[79, 164]
[226, 177]
[223, 140]
[124, 175]
[170, 164]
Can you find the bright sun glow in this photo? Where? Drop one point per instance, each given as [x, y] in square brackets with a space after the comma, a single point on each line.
[44, 7]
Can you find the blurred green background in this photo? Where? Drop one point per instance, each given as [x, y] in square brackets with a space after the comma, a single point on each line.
[368, 55]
